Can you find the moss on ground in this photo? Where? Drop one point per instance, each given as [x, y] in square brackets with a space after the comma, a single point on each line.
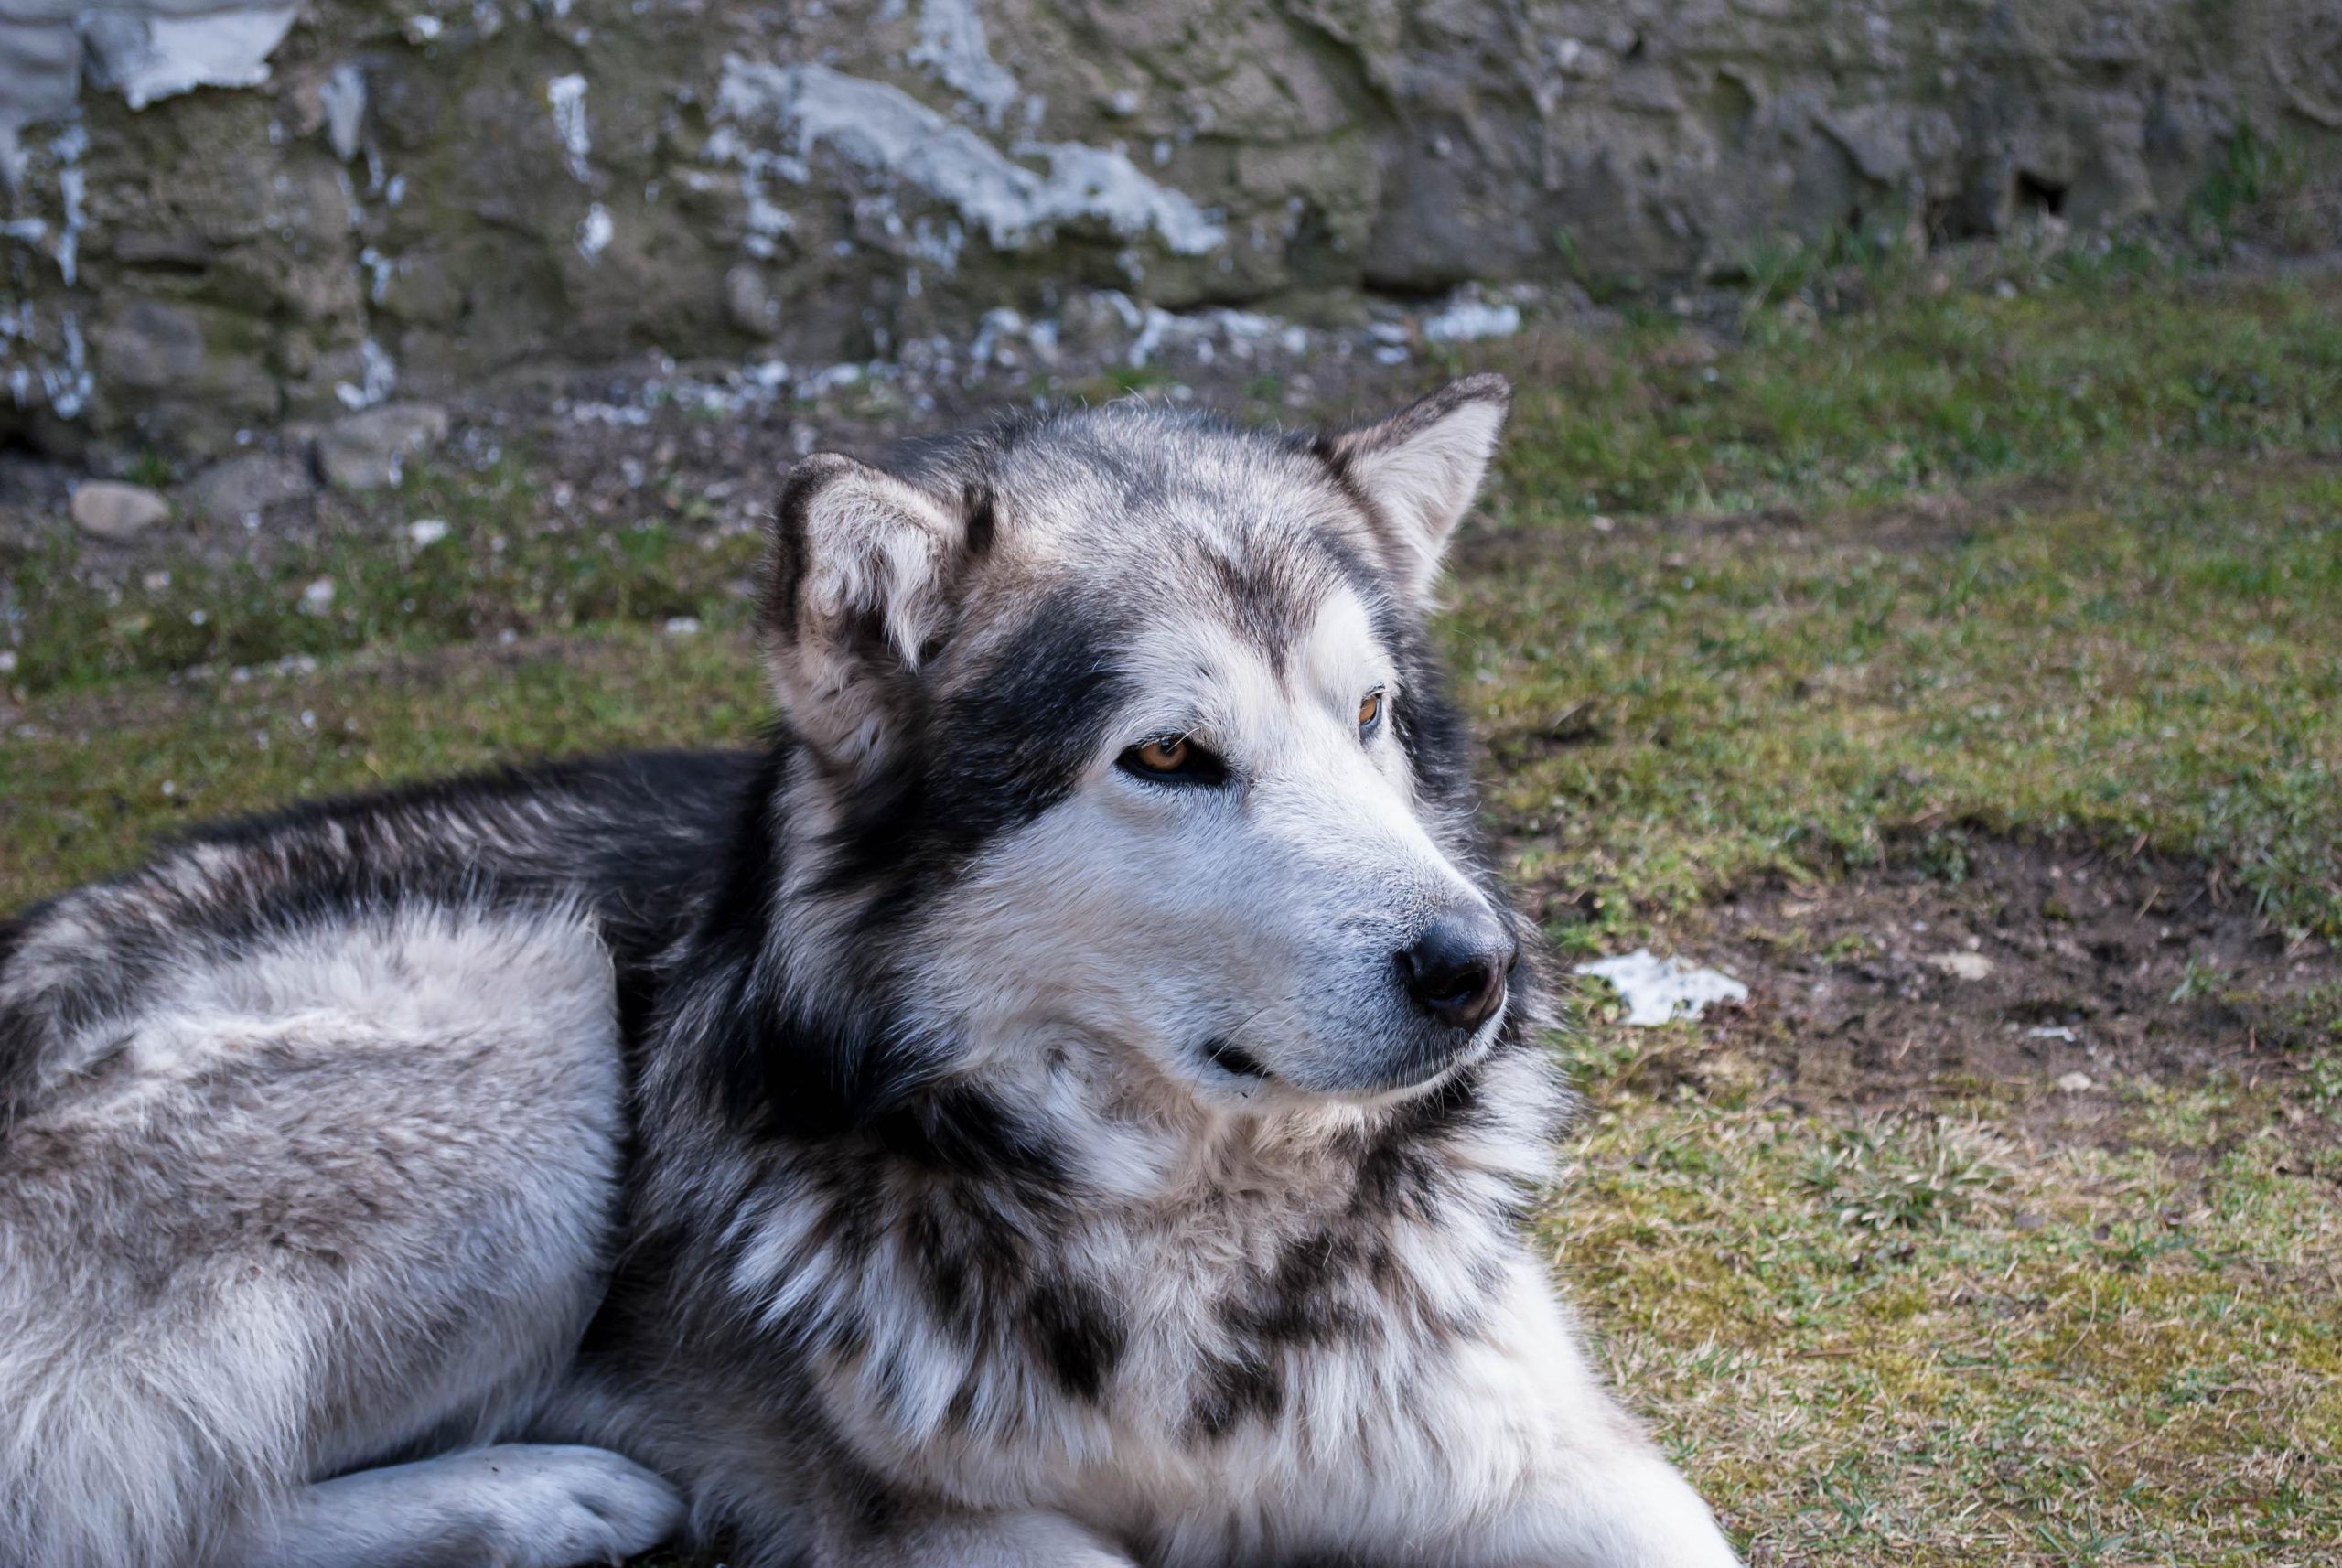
[2068, 563]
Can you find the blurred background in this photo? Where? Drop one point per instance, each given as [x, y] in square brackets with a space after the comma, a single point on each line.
[1911, 603]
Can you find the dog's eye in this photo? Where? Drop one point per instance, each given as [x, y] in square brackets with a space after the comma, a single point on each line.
[1173, 758]
[1370, 712]
[1164, 754]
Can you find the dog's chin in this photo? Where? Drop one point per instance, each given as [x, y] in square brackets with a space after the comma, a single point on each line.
[1230, 1072]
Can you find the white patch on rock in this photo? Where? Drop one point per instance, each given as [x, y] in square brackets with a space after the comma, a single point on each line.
[379, 269]
[885, 130]
[766, 220]
[378, 378]
[67, 386]
[344, 100]
[2075, 1083]
[595, 231]
[1469, 320]
[146, 50]
[952, 46]
[1661, 990]
[1102, 182]
[425, 531]
[230, 47]
[65, 150]
[565, 95]
[72, 187]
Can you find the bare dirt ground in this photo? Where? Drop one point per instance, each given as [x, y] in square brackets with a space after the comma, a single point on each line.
[2054, 970]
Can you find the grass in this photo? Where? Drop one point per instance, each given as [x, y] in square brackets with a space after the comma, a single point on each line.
[1930, 393]
[2149, 649]
[2064, 563]
[510, 560]
[1919, 1343]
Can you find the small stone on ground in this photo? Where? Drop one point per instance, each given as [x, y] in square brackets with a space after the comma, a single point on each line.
[1661, 990]
[1962, 965]
[369, 451]
[243, 489]
[109, 510]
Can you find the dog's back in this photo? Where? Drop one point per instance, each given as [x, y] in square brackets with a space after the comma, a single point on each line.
[311, 1149]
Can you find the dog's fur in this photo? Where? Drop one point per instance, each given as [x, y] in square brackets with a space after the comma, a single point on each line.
[931, 1140]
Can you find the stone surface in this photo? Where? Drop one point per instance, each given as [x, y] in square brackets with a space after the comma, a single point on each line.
[246, 489]
[105, 508]
[369, 451]
[409, 199]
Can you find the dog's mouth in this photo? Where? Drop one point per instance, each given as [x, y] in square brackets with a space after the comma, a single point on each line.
[1234, 1060]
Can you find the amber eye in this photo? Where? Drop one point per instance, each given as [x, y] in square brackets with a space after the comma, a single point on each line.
[1369, 712]
[1164, 754]
[1174, 759]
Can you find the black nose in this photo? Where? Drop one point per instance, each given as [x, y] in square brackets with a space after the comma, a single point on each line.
[1456, 968]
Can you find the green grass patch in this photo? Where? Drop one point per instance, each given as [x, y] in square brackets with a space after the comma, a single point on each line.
[2152, 651]
[1991, 1354]
[1927, 393]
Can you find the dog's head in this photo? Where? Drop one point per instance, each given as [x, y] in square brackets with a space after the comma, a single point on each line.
[1125, 743]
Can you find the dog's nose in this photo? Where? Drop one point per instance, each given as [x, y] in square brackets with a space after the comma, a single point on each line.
[1456, 968]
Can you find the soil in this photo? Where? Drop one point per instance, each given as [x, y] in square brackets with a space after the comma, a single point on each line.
[2058, 969]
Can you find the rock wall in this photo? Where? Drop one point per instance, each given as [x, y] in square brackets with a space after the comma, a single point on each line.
[223, 215]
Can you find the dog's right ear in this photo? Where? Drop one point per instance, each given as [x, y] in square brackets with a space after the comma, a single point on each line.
[857, 599]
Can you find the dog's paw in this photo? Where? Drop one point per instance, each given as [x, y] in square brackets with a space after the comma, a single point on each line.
[994, 1540]
[1052, 1541]
[559, 1507]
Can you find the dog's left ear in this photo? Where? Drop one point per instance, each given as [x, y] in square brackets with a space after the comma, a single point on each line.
[1421, 467]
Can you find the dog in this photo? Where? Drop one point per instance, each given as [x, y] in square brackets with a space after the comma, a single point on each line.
[1071, 1099]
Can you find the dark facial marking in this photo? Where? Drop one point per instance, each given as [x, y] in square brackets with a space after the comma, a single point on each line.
[954, 1128]
[1269, 598]
[987, 760]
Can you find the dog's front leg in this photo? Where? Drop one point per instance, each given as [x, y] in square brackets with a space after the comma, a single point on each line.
[1622, 1511]
[1574, 1481]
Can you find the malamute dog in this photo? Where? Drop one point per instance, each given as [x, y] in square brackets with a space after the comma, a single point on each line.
[1069, 1100]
